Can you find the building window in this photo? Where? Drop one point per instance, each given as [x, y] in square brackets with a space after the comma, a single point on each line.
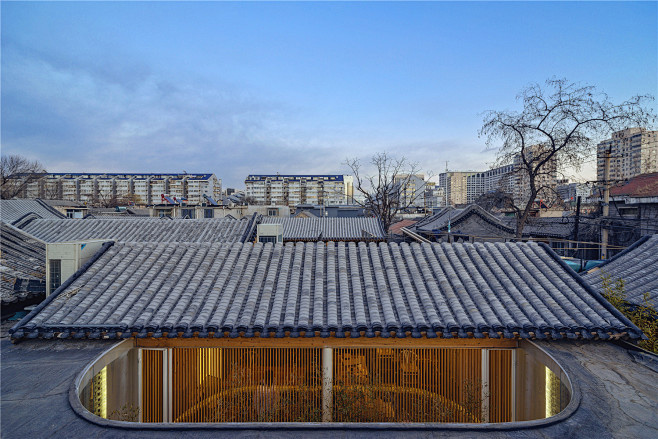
[628, 211]
[55, 274]
[264, 239]
[187, 213]
[208, 213]
[272, 212]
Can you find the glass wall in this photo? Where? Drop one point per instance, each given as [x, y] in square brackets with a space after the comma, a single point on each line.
[330, 384]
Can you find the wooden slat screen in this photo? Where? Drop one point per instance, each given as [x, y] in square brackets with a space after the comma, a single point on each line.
[246, 385]
[152, 387]
[500, 385]
[407, 385]
[285, 385]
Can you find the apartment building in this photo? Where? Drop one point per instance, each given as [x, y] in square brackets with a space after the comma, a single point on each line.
[142, 189]
[412, 189]
[459, 187]
[292, 190]
[455, 186]
[546, 179]
[571, 191]
[633, 151]
[434, 195]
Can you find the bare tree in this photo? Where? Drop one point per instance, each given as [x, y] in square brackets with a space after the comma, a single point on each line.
[558, 128]
[384, 192]
[16, 172]
[497, 200]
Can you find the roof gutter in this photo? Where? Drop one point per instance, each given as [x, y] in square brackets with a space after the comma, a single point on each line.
[60, 290]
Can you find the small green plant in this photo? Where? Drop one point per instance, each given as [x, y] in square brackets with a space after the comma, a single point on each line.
[128, 412]
[643, 315]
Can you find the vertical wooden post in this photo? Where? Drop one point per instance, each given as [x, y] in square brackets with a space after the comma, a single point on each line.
[485, 385]
[140, 372]
[169, 385]
[327, 383]
[513, 387]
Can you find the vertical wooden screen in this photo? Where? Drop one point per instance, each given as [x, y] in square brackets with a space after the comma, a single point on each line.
[152, 385]
[285, 385]
[246, 385]
[500, 385]
[406, 385]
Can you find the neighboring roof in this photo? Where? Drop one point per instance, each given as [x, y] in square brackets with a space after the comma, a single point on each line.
[645, 185]
[22, 265]
[395, 228]
[139, 229]
[15, 209]
[131, 212]
[637, 266]
[329, 229]
[64, 203]
[438, 220]
[557, 227]
[495, 289]
[305, 214]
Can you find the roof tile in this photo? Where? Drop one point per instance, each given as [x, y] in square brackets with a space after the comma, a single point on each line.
[219, 287]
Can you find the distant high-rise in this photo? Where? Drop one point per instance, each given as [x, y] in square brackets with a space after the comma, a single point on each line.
[467, 187]
[413, 192]
[500, 178]
[633, 151]
[292, 190]
[93, 188]
[545, 180]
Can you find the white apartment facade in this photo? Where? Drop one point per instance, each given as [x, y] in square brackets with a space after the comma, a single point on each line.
[142, 189]
[465, 187]
[633, 151]
[293, 190]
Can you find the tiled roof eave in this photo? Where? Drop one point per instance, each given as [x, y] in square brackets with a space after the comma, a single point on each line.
[456, 290]
[92, 332]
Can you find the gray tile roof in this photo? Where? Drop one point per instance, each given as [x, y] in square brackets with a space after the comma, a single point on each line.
[561, 227]
[22, 265]
[637, 266]
[329, 229]
[555, 227]
[13, 210]
[139, 229]
[439, 220]
[493, 289]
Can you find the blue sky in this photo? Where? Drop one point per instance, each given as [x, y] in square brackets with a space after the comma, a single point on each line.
[295, 87]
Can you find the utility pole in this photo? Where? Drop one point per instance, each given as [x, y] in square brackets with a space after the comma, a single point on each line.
[606, 206]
